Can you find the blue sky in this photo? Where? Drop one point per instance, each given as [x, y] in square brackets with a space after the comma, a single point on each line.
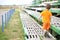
[15, 2]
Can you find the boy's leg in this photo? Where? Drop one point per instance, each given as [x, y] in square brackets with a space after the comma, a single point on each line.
[50, 36]
[46, 27]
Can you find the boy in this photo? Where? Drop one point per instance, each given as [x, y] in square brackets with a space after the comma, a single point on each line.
[46, 18]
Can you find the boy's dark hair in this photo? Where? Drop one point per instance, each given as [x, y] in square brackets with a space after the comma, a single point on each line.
[48, 6]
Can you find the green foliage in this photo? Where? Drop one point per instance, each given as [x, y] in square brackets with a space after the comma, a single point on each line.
[2, 35]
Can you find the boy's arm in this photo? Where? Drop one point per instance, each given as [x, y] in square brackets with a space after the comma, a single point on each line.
[50, 15]
[41, 14]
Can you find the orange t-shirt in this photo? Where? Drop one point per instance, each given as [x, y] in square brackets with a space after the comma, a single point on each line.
[46, 16]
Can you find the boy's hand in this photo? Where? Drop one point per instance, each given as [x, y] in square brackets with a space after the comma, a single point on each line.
[38, 19]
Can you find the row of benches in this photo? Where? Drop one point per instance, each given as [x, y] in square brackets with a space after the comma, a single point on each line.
[32, 29]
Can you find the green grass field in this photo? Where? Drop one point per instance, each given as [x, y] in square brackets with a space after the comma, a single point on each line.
[14, 29]
[2, 35]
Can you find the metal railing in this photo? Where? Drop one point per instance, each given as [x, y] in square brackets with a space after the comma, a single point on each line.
[5, 18]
